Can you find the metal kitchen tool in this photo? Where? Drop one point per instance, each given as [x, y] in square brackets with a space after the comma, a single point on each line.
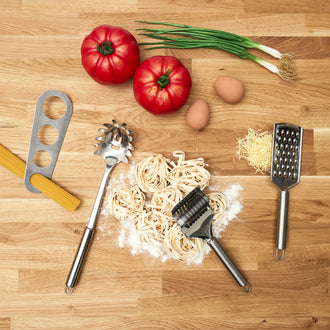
[285, 173]
[194, 215]
[40, 119]
[115, 145]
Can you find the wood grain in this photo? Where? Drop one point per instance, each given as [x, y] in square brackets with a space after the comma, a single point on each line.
[40, 50]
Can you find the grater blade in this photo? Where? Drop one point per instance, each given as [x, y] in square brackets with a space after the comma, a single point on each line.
[286, 155]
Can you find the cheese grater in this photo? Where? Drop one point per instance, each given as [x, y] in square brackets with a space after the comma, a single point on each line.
[194, 215]
[285, 173]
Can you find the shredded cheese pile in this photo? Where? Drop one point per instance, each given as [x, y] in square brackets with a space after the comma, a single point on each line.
[256, 148]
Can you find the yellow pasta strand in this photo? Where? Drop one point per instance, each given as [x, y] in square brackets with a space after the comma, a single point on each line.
[48, 187]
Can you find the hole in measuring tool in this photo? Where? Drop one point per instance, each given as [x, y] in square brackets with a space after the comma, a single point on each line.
[42, 158]
[48, 134]
[54, 107]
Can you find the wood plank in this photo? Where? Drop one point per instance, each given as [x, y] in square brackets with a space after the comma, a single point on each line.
[204, 304]
[262, 282]
[191, 321]
[5, 323]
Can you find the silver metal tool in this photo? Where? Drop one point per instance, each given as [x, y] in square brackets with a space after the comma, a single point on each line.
[40, 119]
[194, 215]
[285, 173]
[115, 144]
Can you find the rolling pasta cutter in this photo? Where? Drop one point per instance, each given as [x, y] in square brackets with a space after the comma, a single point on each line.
[285, 173]
[115, 145]
[194, 215]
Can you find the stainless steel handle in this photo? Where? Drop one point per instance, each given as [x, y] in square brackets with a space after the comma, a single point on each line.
[100, 193]
[89, 231]
[229, 265]
[79, 260]
[282, 223]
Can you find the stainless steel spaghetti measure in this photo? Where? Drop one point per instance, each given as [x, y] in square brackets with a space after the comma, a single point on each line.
[40, 120]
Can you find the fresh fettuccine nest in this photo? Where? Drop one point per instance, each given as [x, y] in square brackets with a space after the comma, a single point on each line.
[152, 227]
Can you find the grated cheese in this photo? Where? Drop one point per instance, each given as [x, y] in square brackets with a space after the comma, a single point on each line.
[256, 148]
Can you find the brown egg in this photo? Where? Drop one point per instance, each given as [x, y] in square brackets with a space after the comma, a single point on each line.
[198, 114]
[230, 89]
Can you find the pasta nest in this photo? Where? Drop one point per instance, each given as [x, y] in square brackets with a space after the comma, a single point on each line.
[218, 204]
[125, 201]
[151, 173]
[163, 200]
[188, 174]
[180, 247]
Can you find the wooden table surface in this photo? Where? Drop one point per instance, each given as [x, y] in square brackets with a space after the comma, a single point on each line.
[40, 50]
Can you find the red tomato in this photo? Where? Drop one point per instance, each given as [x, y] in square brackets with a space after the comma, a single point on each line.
[110, 55]
[161, 84]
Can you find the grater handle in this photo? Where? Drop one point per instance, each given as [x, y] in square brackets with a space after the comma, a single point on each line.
[282, 223]
[229, 264]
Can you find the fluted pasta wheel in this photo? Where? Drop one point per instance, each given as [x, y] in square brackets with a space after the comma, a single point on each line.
[125, 201]
[188, 174]
[180, 247]
[165, 199]
[151, 172]
[218, 204]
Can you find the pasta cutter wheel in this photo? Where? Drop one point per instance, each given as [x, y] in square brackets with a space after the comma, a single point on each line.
[115, 144]
[194, 216]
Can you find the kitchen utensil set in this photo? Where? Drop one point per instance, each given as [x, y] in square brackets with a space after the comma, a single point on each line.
[193, 213]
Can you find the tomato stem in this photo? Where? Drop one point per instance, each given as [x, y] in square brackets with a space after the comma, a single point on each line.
[105, 48]
[163, 81]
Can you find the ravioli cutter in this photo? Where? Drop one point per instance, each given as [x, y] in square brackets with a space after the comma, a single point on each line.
[285, 173]
[194, 215]
[115, 145]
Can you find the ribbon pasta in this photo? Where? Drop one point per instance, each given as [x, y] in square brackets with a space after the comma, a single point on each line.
[169, 182]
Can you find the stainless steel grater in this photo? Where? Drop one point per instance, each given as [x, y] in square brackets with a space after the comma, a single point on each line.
[285, 173]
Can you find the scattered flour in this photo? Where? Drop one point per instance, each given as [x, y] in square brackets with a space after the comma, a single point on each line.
[234, 207]
[129, 237]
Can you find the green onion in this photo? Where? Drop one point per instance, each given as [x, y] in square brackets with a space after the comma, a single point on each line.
[194, 37]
